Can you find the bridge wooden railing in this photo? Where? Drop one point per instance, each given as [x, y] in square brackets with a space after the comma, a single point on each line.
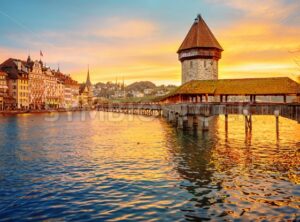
[288, 110]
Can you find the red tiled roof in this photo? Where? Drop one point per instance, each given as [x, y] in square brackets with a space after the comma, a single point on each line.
[200, 36]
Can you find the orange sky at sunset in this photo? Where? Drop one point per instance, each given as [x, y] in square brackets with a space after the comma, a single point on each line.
[259, 40]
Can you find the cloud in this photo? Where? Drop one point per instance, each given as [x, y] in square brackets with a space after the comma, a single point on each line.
[131, 48]
[257, 43]
[120, 28]
[6, 53]
[260, 40]
[267, 9]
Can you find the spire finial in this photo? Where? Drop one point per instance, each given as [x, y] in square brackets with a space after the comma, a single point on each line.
[58, 70]
[198, 18]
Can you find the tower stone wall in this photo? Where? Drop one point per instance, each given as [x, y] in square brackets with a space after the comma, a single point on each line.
[199, 69]
[199, 53]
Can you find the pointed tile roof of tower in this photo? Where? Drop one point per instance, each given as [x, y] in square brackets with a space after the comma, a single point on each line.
[200, 36]
[88, 81]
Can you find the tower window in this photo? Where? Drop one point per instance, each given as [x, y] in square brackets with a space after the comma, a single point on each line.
[191, 64]
[204, 63]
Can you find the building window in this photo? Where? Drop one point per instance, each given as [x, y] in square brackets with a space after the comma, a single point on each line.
[204, 63]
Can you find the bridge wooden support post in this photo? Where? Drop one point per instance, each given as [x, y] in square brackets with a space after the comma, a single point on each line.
[226, 124]
[169, 116]
[195, 122]
[277, 113]
[179, 122]
[248, 121]
[164, 113]
[204, 122]
[190, 122]
[185, 122]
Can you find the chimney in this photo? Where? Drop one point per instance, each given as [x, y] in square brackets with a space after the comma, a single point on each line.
[19, 65]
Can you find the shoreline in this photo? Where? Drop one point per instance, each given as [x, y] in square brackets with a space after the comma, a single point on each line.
[19, 112]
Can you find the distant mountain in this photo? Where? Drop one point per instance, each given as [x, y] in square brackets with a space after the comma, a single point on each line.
[99, 85]
[140, 86]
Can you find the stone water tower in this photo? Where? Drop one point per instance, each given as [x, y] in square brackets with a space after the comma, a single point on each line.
[199, 53]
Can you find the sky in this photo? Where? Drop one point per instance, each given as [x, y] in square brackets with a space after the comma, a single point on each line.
[137, 40]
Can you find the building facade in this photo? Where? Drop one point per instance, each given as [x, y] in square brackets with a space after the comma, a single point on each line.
[3, 89]
[17, 79]
[70, 90]
[199, 53]
[34, 86]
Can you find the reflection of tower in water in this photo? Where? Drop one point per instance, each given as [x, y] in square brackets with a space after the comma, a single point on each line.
[192, 156]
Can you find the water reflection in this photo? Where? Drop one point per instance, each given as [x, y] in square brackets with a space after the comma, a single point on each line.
[232, 179]
[122, 167]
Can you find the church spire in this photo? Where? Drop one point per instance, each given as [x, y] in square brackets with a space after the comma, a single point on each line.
[28, 58]
[88, 81]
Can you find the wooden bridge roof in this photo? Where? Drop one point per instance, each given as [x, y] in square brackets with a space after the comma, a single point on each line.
[253, 86]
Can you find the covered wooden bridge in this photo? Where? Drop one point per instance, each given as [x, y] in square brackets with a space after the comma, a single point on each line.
[193, 103]
[234, 90]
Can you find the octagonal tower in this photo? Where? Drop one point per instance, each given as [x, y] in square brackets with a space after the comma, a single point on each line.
[199, 53]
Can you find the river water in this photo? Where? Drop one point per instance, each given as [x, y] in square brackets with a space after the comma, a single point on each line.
[102, 166]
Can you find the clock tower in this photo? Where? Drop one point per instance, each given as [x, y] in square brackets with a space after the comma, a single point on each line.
[199, 53]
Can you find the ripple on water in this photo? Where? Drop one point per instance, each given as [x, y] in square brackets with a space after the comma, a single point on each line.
[134, 169]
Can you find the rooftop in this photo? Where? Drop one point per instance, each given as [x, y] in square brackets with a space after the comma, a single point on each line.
[199, 36]
[251, 86]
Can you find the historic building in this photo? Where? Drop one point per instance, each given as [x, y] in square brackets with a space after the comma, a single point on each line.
[17, 74]
[35, 86]
[53, 90]
[3, 89]
[199, 53]
[86, 93]
[70, 90]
